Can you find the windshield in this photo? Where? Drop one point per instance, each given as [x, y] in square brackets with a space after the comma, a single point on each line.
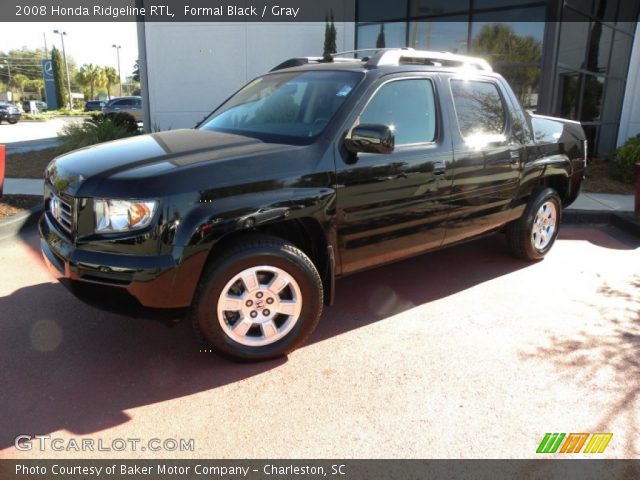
[283, 106]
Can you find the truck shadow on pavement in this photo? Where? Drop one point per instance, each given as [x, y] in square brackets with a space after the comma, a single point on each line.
[67, 365]
[605, 357]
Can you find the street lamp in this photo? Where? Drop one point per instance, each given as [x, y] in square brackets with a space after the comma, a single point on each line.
[118, 47]
[66, 67]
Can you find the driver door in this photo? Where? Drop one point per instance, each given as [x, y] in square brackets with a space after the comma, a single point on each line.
[391, 206]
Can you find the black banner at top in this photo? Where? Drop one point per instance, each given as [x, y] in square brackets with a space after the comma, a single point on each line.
[177, 10]
[291, 11]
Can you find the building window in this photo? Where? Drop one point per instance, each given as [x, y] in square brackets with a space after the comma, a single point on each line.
[569, 84]
[514, 50]
[574, 35]
[443, 36]
[592, 98]
[427, 8]
[599, 47]
[380, 10]
[382, 35]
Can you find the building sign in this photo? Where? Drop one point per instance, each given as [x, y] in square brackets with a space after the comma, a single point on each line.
[49, 84]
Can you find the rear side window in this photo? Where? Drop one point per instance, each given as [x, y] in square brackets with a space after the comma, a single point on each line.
[479, 107]
[406, 105]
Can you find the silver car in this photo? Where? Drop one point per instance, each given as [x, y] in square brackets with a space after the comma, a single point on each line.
[130, 105]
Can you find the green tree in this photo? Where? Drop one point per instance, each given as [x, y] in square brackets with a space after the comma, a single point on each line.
[92, 77]
[111, 78]
[334, 36]
[24, 61]
[380, 41]
[35, 86]
[516, 57]
[330, 36]
[18, 81]
[136, 71]
[58, 77]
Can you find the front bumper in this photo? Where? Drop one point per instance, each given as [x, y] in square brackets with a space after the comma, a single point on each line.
[155, 281]
[10, 117]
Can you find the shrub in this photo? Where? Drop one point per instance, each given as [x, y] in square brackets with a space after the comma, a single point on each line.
[96, 129]
[124, 120]
[622, 165]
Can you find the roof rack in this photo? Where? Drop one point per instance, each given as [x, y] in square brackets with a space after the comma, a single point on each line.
[409, 56]
[297, 61]
[393, 56]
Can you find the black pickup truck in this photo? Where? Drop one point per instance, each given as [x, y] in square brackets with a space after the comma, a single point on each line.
[304, 175]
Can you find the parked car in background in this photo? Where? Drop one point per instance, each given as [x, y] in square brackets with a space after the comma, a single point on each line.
[94, 105]
[9, 112]
[130, 105]
[40, 105]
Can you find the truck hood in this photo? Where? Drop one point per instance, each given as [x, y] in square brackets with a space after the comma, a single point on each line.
[144, 157]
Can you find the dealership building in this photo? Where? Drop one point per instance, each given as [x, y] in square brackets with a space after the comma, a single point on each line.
[578, 59]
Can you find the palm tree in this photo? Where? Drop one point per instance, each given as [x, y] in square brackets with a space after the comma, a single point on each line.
[111, 77]
[18, 81]
[91, 76]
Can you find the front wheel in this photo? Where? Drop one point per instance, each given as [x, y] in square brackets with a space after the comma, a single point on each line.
[532, 235]
[12, 122]
[258, 300]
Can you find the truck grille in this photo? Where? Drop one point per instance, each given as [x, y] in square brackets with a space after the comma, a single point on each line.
[62, 212]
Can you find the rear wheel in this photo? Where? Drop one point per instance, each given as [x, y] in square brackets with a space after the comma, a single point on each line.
[532, 236]
[259, 300]
[12, 122]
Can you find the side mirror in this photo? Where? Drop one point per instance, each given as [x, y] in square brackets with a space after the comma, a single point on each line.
[370, 138]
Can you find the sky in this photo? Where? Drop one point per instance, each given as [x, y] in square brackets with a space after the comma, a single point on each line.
[88, 42]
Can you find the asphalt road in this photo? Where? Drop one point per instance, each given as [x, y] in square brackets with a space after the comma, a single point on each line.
[465, 352]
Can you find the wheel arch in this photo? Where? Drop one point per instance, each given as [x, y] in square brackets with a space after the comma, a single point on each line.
[305, 233]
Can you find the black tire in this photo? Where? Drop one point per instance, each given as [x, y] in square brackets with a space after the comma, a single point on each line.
[12, 122]
[520, 233]
[256, 253]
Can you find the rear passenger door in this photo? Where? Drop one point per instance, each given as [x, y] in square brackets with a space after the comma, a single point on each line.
[391, 206]
[487, 157]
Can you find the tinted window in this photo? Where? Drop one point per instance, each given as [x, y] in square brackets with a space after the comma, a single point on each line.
[407, 105]
[479, 107]
[285, 105]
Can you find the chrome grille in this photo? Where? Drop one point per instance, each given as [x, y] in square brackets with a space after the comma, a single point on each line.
[62, 212]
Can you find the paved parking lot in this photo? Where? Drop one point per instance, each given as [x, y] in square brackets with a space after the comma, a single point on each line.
[24, 134]
[461, 353]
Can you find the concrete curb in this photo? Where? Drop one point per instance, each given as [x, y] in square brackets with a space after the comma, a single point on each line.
[625, 221]
[11, 226]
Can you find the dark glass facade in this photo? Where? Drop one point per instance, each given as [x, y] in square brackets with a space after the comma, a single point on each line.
[562, 57]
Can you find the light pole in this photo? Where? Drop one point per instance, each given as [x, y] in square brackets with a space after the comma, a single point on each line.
[66, 67]
[118, 47]
[6, 62]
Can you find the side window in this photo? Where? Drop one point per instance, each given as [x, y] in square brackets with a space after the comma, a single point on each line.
[123, 103]
[407, 105]
[479, 107]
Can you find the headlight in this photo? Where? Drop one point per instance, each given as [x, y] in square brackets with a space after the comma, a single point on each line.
[122, 215]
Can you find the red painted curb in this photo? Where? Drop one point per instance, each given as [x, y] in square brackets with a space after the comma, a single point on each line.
[637, 207]
[2, 152]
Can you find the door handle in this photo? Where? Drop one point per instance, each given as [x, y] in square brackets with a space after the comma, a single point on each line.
[515, 156]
